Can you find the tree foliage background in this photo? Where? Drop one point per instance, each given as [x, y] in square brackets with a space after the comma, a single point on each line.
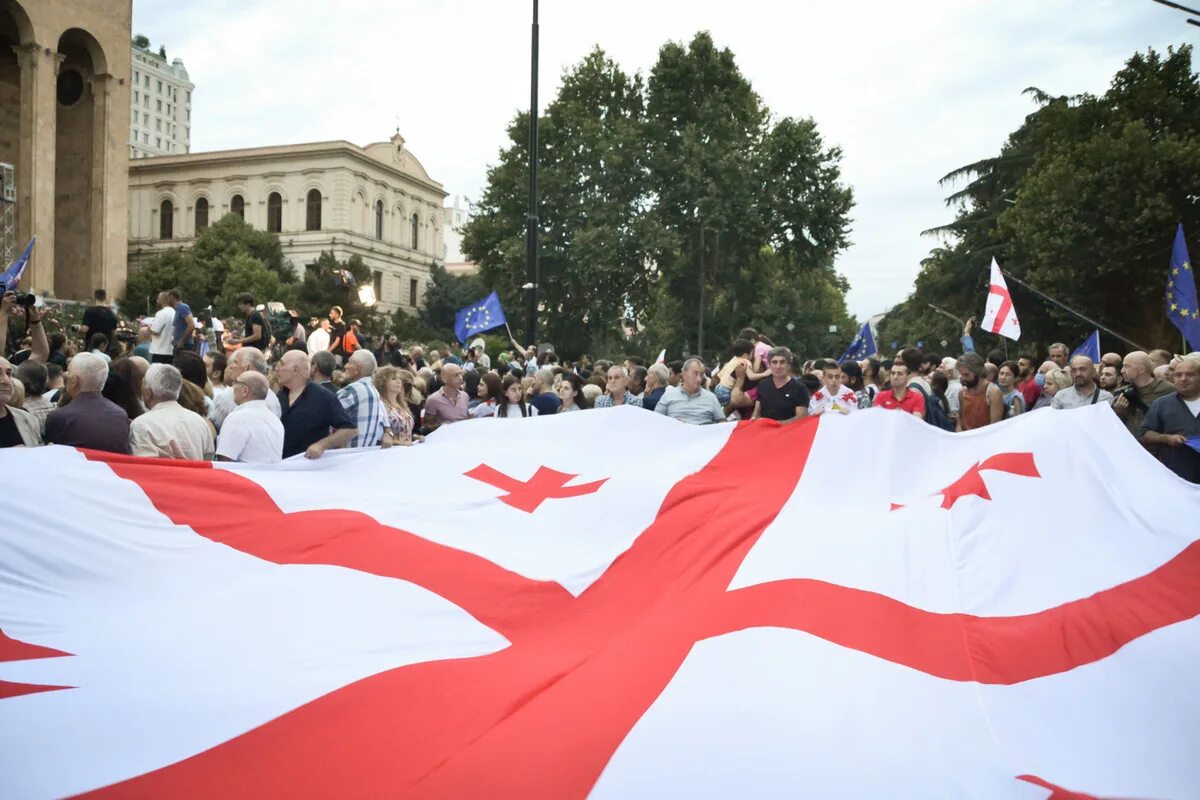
[231, 257]
[675, 207]
[1081, 202]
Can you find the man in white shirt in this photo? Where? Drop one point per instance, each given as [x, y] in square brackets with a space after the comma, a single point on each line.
[240, 361]
[162, 330]
[832, 397]
[167, 429]
[318, 340]
[251, 433]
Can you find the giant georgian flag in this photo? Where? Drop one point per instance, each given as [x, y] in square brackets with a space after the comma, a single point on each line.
[610, 605]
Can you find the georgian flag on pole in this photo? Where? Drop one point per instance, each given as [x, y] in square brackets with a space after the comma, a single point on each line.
[173, 629]
[999, 316]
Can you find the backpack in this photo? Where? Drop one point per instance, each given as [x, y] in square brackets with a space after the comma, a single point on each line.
[935, 412]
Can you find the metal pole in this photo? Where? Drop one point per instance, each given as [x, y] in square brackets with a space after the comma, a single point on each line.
[700, 323]
[1070, 310]
[532, 222]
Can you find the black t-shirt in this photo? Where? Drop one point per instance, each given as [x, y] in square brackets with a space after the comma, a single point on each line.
[256, 318]
[315, 414]
[337, 333]
[781, 404]
[9, 435]
[100, 319]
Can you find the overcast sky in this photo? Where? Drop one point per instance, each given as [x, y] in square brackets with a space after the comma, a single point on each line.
[908, 90]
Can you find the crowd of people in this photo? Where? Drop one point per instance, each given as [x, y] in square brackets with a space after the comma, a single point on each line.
[173, 390]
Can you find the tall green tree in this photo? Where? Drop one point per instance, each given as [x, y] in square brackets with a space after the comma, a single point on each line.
[227, 258]
[1082, 202]
[595, 237]
[658, 203]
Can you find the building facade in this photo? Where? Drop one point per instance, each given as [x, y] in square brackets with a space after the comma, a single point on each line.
[64, 100]
[376, 202]
[160, 114]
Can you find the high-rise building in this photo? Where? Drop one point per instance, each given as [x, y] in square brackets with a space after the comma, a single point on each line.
[160, 103]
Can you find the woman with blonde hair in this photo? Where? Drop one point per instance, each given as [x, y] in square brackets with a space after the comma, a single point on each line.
[395, 386]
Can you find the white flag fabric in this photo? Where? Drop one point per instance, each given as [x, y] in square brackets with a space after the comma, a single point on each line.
[999, 315]
[520, 608]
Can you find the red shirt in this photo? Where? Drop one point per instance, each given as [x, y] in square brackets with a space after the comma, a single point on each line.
[913, 402]
[1030, 391]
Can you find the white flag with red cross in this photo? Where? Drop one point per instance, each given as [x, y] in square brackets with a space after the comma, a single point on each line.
[515, 609]
[999, 315]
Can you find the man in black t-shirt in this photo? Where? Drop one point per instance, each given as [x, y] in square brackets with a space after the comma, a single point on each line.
[99, 318]
[337, 333]
[780, 396]
[256, 332]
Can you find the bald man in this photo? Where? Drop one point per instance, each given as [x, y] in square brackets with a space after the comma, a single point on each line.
[18, 428]
[1142, 390]
[449, 403]
[251, 433]
[313, 419]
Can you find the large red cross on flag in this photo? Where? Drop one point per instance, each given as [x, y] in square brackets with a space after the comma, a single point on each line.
[571, 621]
[999, 315]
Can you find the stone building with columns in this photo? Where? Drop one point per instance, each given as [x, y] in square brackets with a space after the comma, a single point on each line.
[64, 126]
[376, 202]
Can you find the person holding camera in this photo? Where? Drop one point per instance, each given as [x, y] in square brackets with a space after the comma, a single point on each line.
[1141, 389]
[18, 428]
[13, 305]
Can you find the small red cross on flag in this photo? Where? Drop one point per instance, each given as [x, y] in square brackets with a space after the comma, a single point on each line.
[999, 316]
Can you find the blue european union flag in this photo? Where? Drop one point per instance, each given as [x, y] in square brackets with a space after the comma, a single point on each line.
[1182, 307]
[1089, 348]
[862, 346]
[12, 276]
[479, 317]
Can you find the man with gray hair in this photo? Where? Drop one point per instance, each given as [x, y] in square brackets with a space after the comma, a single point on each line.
[323, 367]
[167, 429]
[90, 420]
[361, 399]
[690, 402]
[542, 395]
[618, 393]
[251, 434]
[240, 361]
[657, 381]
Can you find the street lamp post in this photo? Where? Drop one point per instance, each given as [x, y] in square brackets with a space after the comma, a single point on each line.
[532, 268]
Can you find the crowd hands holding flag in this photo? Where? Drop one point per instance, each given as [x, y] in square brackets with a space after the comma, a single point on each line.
[257, 395]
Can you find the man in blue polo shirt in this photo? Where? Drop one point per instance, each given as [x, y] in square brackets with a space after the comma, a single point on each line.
[313, 419]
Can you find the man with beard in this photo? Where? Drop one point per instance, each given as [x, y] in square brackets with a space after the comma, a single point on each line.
[1085, 391]
[1028, 384]
[980, 402]
[1109, 378]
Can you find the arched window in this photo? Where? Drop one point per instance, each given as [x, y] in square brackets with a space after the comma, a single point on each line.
[312, 207]
[237, 205]
[166, 220]
[415, 225]
[201, 214]
[378, 219]
[274, 212]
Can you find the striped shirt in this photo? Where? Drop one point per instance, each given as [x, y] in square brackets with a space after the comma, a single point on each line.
[604, 401]
[365, 407]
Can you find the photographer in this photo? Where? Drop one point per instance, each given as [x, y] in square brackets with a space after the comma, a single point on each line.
[1132, 401]
[14, 305]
